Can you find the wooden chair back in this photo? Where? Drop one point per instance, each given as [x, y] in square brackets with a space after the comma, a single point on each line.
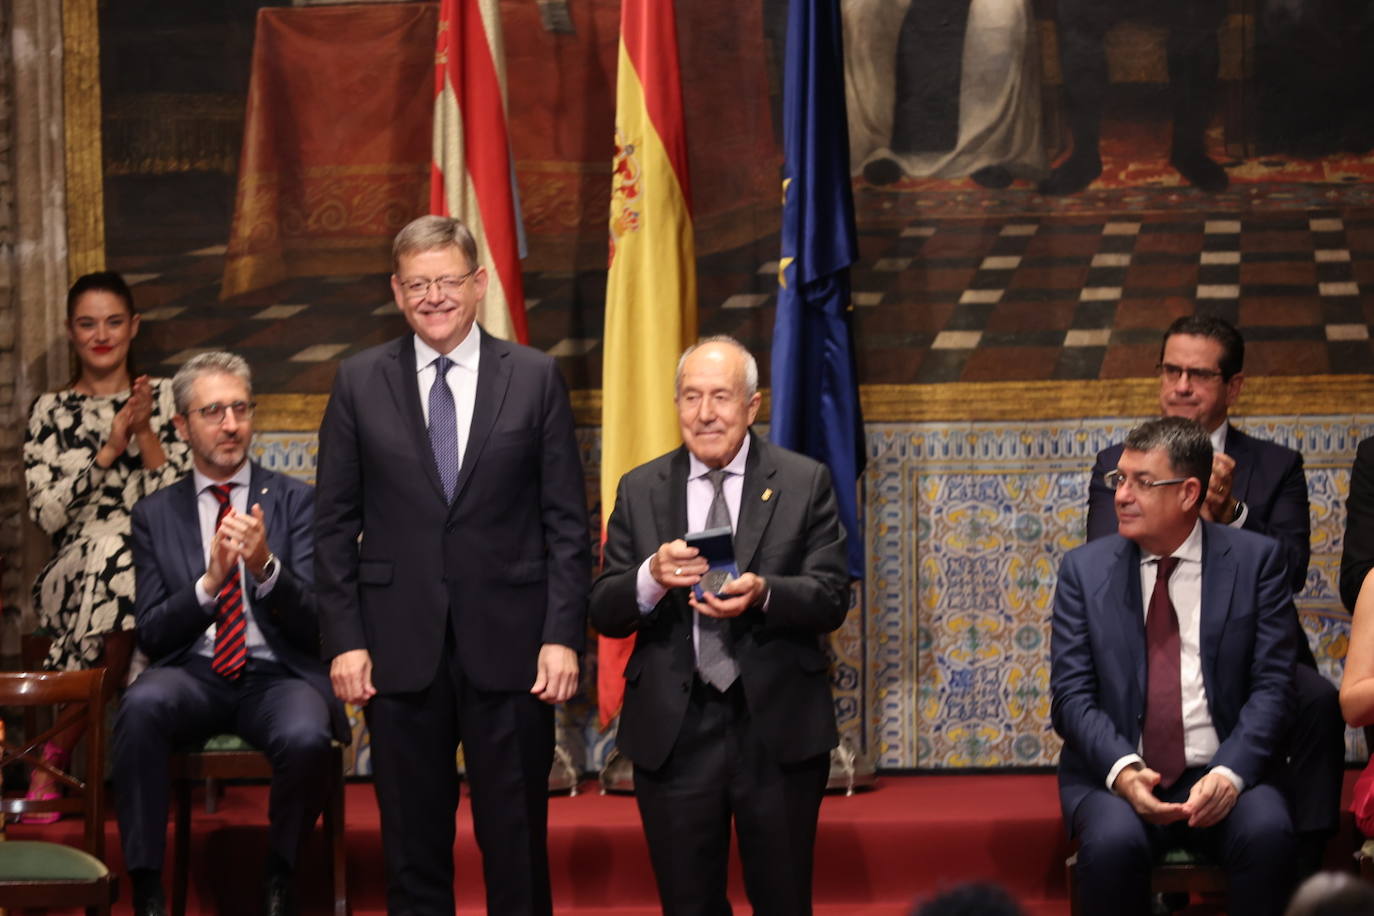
[80, 698]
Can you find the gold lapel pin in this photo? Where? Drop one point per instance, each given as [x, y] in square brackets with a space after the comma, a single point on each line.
[767, 494]
[263, 491]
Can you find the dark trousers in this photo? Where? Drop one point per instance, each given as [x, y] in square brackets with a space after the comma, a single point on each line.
[176, 706]
[1193, 58]
[508, 744]
[718, 770]
[1315, 749]
[1254, 843]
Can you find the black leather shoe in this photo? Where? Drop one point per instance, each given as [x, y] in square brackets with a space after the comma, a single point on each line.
[147, 892]
[278, 897]
[152, 905]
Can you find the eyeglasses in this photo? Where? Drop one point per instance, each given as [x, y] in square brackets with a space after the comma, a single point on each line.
[419, 287]
[1172, 374]
[1115, 480]
[214, 413]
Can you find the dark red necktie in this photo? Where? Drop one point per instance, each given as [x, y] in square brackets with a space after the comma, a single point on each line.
[1162, 740]
[231, 647]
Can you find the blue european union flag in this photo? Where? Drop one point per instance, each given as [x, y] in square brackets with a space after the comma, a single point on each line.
[815, 408]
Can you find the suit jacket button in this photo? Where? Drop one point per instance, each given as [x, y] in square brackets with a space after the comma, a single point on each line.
[686, 687]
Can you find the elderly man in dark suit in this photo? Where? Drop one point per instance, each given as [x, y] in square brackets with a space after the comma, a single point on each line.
[226, 614]
[1257, 485]
[727, 706]
[452, 560]
[1172, 684]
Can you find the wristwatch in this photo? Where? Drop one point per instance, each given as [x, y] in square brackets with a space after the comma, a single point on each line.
[1236, 509]
[269, 569]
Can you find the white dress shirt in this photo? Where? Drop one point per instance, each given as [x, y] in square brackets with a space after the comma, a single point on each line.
[700, 493]
[1200, 741]
[461, 378]
[207, 508]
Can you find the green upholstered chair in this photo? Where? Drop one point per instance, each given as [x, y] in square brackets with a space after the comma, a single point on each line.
[229, 757]
[39, 874]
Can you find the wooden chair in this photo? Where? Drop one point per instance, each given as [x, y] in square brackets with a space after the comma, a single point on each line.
[226, 757]
[1177, 871]
[35, 873]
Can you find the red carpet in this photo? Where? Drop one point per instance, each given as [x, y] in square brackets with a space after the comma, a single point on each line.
[876, 853]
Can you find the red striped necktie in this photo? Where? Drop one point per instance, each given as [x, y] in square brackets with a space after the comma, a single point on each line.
[231, 647]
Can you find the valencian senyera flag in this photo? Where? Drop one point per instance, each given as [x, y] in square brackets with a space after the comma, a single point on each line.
[815, 394]
[473, 175]
[651, 305]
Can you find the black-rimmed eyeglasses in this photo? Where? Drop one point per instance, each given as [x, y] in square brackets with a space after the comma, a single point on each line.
[1172, 374]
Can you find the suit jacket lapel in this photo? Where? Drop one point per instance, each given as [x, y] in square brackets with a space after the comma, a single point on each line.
[493, 381]
[754, 511]
[1218, 582]
[399, 375]
[1238, 447]
[187, 521]
[261, 491]
[670, 499]
[1123, 594]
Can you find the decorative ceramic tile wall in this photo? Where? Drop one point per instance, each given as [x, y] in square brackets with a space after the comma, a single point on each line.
[944, 660]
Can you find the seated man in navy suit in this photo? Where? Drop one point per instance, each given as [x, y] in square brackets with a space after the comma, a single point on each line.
[1172, 654]
[1257, 485]
[225, 611]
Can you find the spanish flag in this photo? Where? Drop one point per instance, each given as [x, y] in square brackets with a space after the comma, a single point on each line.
[651, 295]
[472, 175]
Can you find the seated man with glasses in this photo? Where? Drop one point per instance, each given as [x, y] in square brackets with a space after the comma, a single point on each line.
[1257, 485]
[1172, 659]
[225, 610]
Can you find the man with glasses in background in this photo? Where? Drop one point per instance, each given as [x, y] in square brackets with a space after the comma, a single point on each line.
[1172, 658]
[226, 612]
[1257, 485]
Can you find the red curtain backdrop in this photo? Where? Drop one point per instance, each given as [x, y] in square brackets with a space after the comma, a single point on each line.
[337, 139]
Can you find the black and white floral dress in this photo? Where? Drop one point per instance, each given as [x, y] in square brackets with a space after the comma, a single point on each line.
[87, 588]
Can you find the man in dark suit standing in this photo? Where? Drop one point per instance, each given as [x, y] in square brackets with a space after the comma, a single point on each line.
[1257, 485]
[226, 614]
[727, 706]
[1172, 684]
[452, 559]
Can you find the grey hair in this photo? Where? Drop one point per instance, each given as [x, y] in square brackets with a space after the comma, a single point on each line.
[215, 362]
[1184, 441]
[430, 233]
[751, 365]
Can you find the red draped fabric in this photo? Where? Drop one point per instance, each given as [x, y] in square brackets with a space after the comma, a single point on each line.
[337, 138]
[336, 141]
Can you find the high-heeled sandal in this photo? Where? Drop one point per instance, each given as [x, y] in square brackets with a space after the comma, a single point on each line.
[59, 758]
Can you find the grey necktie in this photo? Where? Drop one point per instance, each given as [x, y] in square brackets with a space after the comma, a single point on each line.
[715, 656]
[443, 427]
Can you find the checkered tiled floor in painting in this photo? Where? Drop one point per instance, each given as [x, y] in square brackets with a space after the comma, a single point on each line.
[986, 299]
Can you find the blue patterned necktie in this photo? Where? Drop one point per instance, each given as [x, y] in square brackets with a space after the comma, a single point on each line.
[715, 656]
[443, 427]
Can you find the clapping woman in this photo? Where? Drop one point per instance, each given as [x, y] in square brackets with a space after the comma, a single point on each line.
[93, 449]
